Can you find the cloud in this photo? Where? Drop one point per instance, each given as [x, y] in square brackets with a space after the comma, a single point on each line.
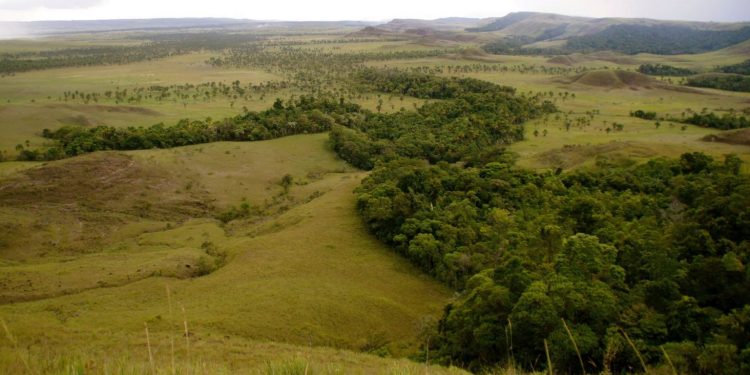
[49, 4]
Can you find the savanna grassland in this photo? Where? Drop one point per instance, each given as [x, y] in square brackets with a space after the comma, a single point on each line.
[332, 199]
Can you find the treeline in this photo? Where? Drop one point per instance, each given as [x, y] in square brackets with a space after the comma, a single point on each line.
[628, 39]
[470, 117]
[646, 115]
[290, 60]
[303, 115]
[311, 70]
[426, 86]
[109, 55]
[658, 39]
[156, 47]
[727, 121]
[184, 93]
[513, 45]
[498, 68]
[741, 68]
[664, 70]
[591, 262]
[658, 251]
[729, 82]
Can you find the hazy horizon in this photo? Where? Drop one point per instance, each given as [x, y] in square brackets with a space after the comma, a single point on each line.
[339, 10]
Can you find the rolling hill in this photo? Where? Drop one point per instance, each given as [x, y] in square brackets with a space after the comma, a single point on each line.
[445, 24]
[590, 34]
[40, 28]
[114, 229]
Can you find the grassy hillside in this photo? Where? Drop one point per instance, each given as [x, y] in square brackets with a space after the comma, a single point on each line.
[35, 99]
[610, 87]
[296, 272]
[658, 39]
[260, 241]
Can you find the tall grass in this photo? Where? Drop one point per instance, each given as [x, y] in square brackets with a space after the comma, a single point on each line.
[293, 367]
[637, 352]
[13, 341]
[187, 333]
[669, 360]
[575, 346]
[150, 354]
[549, 361]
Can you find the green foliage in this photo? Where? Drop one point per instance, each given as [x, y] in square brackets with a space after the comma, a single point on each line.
[471, 117]
[729, 82]
[358, 149]
[726, 121]
[664, 70]
[310, 68]
[160, 46]
[286, 182]
[425, 86]
[511, 45]
[741, 68]
[658, 39]
[204, 266]
[658, 249]
[305, 115]
[643, 114]
[234, 213]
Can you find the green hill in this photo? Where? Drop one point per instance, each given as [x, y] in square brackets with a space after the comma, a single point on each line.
[301, 269]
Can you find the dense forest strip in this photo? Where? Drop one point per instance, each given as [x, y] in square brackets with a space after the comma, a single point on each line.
[658, 39]
[729, 82]
[626, 38]
[659, 250]
[470, 116]
[290, 59]
[10, 64]
[153, 47]
[664, 70]
[303, 115]
[727, 121]
[741, 68]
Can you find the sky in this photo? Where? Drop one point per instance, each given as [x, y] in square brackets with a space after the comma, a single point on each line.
[370, 10]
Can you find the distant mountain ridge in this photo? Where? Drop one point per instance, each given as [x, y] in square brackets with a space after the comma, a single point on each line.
[521, 32]
[39, 28]
[443, 24]
[534, 24]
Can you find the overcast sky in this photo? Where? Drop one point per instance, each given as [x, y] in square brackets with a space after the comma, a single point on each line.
[372, 10]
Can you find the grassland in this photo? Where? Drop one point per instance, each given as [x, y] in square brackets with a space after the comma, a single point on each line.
[613, 99]
[30, 102]
[89, 246]
[295, 275]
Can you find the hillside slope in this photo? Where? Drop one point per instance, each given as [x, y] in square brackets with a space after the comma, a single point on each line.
[568, 33]
[445, 24]
[533, 24]
[305, 271]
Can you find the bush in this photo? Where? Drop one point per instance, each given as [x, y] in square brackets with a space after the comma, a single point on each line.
[204, 266]
[664, 70]
[643, 115]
